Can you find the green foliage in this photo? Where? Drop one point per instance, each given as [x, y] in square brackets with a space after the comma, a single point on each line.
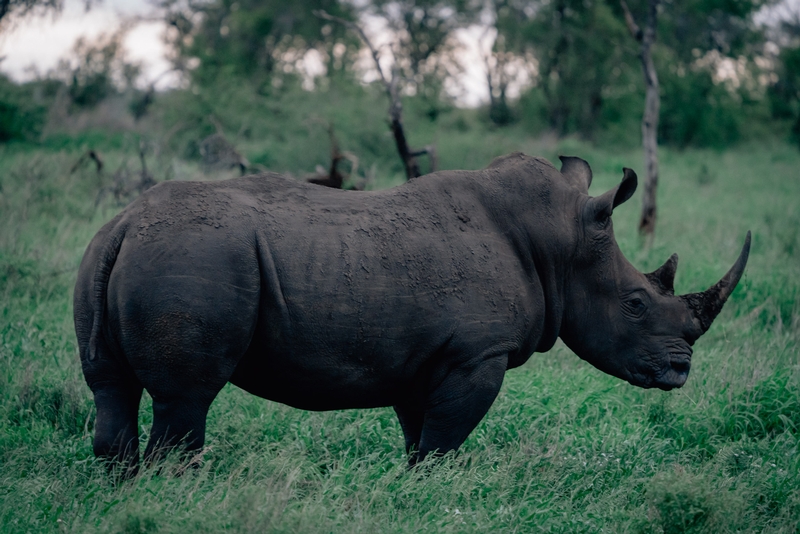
[784, 95]
[97, 70]
[687, 27]
[423, 30]
[697, 112]
[252, 39]
[589, 79]
[576, 66]
[584, 65]
[21, 116]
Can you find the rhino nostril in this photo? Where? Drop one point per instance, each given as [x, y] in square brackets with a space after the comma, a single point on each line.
[681, 366]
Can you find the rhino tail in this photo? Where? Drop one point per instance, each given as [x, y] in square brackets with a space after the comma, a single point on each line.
[104, 265]
[116, 390]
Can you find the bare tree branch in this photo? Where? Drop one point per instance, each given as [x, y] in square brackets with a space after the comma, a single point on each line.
[89, 155]
[407, 155]
[356, 28]
[633, 28]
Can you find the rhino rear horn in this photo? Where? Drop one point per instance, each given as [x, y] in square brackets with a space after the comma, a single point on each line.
[706, 305]
[577, 172]
[663, 278]
[604, 205]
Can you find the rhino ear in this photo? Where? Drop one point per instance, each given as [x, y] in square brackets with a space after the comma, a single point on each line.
[577, 172]
[604, 205]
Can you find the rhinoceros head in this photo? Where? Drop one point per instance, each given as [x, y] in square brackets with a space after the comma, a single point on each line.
[626, 323]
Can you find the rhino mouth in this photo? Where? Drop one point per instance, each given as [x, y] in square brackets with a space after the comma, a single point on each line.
[676, 371]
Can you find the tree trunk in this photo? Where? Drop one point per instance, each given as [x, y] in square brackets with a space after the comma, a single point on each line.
[652, 105]
[395, 114]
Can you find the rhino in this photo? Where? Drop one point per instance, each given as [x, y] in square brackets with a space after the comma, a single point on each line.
[419, 297]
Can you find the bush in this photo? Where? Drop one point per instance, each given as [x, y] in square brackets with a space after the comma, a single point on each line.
[696, 111]
[784, 95]
[21, 116]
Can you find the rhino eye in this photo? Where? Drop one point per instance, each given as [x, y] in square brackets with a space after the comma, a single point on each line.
[636, 306]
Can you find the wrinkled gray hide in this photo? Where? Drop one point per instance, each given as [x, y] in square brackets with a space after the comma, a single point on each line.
[419, 297]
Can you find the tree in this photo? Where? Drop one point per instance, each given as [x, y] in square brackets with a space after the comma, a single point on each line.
[422, 33]
[98, 68]
[578, 53]
[505, 61]
[646, 38]
[250, 39]
[697, 39]
[784, 92]
[698, 35]
[21, 116]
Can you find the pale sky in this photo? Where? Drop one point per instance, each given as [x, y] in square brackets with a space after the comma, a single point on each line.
[42, 41]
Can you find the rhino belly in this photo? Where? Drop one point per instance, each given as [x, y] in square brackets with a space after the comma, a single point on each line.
[317, 380]
[336, 365]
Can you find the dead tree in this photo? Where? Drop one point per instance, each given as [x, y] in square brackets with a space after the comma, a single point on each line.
[220, 154]
[333, 177]
[652, 102]
[92, 155]
[127, 185]
[407, 155]
[146, 180]
[497, 78]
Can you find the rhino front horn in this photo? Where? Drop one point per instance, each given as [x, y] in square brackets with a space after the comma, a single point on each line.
[706, 305]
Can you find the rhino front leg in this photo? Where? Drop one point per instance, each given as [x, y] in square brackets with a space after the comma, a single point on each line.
[456, 406]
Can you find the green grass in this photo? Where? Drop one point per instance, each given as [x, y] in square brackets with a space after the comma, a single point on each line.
[563, 449]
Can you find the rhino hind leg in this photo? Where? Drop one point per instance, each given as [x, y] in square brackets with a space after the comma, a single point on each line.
[177, 422]
[116, 437]
[183, 356]
[182, 391]
[117, 394]
[456, 406]
[182, 394]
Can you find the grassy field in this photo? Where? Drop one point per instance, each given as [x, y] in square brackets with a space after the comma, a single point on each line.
[564, 448]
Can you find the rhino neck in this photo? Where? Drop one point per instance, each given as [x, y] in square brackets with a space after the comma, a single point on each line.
[534, 215]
